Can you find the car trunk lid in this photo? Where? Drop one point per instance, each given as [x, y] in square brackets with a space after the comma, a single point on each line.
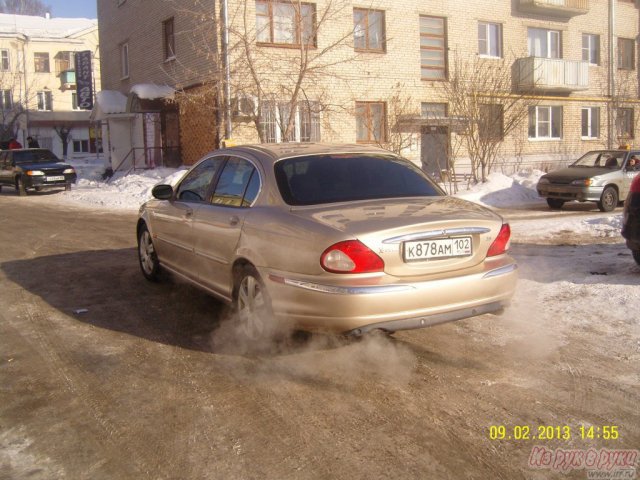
[455, 233]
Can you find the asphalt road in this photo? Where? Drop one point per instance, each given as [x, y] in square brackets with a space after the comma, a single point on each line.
[106, 376]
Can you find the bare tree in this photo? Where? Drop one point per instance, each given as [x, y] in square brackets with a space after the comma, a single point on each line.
[24, 7]
[481, 95]
[15, 97]
[400, 110]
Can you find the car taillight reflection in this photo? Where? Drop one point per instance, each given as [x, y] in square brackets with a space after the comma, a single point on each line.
[501, 244]
[351, 256]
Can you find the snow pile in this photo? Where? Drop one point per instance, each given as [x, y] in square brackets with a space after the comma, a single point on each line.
[502, 191]
[530, 219]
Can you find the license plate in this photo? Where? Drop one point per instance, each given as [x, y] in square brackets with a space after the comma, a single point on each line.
[438, 248]
[56, 178]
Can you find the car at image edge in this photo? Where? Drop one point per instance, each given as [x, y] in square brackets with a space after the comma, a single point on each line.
[343, 238]
[34, 168]
[601, 176]
[631, 219]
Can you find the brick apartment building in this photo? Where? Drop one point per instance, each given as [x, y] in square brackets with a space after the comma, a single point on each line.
[38, 81]
[375, 72]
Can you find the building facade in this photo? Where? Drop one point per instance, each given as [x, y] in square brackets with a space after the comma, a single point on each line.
[388, 72]
[38, 82]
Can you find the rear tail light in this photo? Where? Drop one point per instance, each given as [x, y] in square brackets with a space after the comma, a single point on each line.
[501, 244]
[351, 256]
[635, 185]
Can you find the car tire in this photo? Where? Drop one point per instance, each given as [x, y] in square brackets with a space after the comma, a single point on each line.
[20, 188]
[636, 256]
[555, 203]
[609, 200]
[252, 305]
[147, 256]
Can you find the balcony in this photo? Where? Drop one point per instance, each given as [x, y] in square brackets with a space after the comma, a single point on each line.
[556, 8]
[550, 75]
[68, 80]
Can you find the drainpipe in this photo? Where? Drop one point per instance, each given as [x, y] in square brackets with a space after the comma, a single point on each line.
[612, 75]
[227, 70]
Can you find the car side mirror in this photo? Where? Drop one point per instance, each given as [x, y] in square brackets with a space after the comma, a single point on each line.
[162, 192]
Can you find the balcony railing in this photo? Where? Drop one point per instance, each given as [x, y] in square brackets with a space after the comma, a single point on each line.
[551, 74]
[560, 8]
[68, 79]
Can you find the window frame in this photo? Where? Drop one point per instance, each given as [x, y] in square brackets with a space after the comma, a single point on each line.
[298, 22]
[623, 45]
[487, 30]
[271, 121]
[5, 57]
[493, 130]
[444, 49]
[44, 99]
[629, 116]
[383, 33]
[591, 39]
[371, 139]
[550, 122]
[124, 61]
[6, 94]
[41, 62]
[169, 39]
[549, 33]
[221, 172]
[590, 124]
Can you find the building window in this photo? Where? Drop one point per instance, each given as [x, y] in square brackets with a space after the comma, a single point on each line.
[626, 54]
[591, 48]
[490, 39]
[64, 62]
[168, 39]
[5, 65]
[433, 47]
[624, 123]
[371, 121]
[490, 122]
[41, 62]
[285, 23]
[81, 146]
[368, 30]
[590, 122]
[124, 60]
[433, 110]
[6, 100]
[545, 122]
[544, 43]
[74, 101]
[45, 100]
[275, 118]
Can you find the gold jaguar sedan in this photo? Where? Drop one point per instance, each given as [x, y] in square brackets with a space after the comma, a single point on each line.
[343, 238]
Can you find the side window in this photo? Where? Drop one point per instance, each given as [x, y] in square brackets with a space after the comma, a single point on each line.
[194, 186]
[232, 188]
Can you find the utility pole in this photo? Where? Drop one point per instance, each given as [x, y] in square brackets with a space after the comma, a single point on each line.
[227, 70]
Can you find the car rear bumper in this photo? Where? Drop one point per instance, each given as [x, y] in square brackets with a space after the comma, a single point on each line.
[392, 306]
[570, 192]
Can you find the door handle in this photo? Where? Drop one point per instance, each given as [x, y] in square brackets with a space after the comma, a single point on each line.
[233, 221]
[188, 213]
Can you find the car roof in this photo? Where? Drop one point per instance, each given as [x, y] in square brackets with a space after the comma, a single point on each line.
[278, 151]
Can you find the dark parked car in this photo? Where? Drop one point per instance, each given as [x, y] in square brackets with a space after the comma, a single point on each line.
[631, 219]
[601, 176]
[36, 168]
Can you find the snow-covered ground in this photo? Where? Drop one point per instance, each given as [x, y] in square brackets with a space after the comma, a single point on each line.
[514, 195]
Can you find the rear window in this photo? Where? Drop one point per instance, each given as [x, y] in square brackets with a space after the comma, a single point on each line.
[318, 179]
[35, 156]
